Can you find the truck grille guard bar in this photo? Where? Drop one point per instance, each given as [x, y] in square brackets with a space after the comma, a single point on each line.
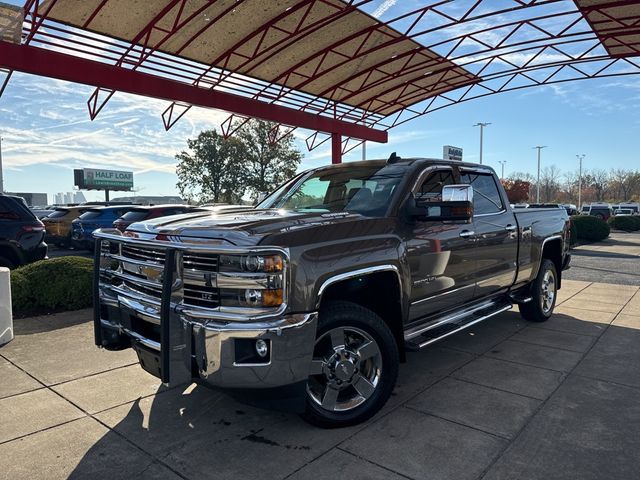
[175, 317]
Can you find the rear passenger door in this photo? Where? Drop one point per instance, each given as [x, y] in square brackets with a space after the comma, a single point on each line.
[496, 234]
[441, 260]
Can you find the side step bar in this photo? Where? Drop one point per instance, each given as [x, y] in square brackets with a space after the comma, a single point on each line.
[442, 330]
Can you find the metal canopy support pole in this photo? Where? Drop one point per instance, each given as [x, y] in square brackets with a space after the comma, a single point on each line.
[106, 196]
[336, 148]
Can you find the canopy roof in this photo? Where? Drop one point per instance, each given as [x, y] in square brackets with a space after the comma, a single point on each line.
[223, 34]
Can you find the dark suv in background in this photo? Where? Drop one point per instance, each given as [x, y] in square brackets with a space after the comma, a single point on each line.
[21, 234]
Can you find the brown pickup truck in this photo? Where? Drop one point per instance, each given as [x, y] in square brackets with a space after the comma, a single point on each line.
[309, 302]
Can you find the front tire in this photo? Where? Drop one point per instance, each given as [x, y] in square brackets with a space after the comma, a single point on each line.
[544, 292]
[354, 367]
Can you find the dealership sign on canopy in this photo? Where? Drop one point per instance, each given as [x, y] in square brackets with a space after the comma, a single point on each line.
[92, 179]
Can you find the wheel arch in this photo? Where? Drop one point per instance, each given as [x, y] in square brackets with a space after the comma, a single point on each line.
[377, 288]
[552, 250]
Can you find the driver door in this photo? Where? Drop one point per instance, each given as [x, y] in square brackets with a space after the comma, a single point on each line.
[440, 256]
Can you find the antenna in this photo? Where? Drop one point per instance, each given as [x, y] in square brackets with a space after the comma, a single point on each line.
[393, 158]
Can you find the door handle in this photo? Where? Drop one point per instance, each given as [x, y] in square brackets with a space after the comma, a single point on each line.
[511, 228]
[467, 234]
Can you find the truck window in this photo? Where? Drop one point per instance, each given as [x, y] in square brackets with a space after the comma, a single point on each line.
[486, 196]
[431, 188]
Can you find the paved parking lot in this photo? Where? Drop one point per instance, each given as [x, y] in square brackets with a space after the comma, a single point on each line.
[614, 260]
[504, 400]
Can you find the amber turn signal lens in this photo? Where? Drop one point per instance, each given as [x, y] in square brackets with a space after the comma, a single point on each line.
[272, 298]
[273, 263]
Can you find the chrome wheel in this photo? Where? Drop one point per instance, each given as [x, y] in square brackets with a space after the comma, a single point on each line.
[548, 291]
[345, 370]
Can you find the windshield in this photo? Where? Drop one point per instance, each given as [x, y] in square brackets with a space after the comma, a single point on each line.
[367, 190]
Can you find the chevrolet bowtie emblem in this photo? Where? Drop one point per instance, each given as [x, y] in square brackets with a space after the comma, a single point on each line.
[150, 273]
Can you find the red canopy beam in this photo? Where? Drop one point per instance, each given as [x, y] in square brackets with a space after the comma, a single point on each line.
[47, 63]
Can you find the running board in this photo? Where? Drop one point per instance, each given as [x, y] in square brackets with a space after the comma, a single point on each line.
[441, 330]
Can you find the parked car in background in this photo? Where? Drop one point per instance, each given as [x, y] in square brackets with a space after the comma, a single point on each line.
[58, 224]
[584, 210]
[633, 206]
[570, 208]
[93, 219]
[41, 212]
[627, 212]
[601, 211]
[138, 214]
[21, 234]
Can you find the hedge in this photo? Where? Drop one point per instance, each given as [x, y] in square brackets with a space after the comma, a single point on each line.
[628, 224]
[591, 229]
[57, 284]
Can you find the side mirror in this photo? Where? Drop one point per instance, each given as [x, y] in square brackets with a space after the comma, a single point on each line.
[457, 193]
[456, 205]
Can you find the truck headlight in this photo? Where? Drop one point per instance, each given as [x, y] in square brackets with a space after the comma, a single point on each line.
[251, 280]
[251, 263]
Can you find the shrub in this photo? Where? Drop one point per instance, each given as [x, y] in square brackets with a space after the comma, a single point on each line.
[57, 284]
[628, 224]
[573, 232]
[589, 228]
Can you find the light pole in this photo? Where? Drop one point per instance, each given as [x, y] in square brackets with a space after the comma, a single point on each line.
[481, 125]
[580, 158]
[502, 163]
[538, 182]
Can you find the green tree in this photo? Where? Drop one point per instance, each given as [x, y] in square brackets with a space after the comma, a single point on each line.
[269, 164]
[213, 170]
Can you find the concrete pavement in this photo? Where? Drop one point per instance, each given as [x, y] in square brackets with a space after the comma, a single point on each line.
[614, 260]
[506, 399]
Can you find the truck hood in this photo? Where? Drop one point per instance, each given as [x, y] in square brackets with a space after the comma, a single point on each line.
[244, 228]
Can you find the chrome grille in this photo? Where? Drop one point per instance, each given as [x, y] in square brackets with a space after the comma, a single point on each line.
[201, 262]
[199, 296]
[147, 254]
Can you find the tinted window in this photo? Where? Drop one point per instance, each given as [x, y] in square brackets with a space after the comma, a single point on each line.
[431, 188]
[8, 210]
[486, 196]
[135, 215]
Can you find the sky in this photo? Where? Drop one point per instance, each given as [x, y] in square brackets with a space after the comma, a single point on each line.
[46, 131]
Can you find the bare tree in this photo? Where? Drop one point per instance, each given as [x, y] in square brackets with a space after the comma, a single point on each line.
[550, 183]
[599, 181]
[626, 183]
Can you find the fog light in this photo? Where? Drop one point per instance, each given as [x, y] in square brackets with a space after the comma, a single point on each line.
[262, 348]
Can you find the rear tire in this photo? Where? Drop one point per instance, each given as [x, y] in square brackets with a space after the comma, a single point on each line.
[544, 292]
[355, 366]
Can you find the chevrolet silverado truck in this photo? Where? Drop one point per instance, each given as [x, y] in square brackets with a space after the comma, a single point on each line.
[310, 301]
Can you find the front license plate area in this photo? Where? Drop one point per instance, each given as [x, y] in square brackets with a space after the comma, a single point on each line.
[149, 360]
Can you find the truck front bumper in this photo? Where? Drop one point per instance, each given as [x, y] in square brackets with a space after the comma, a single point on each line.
[219, 354]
